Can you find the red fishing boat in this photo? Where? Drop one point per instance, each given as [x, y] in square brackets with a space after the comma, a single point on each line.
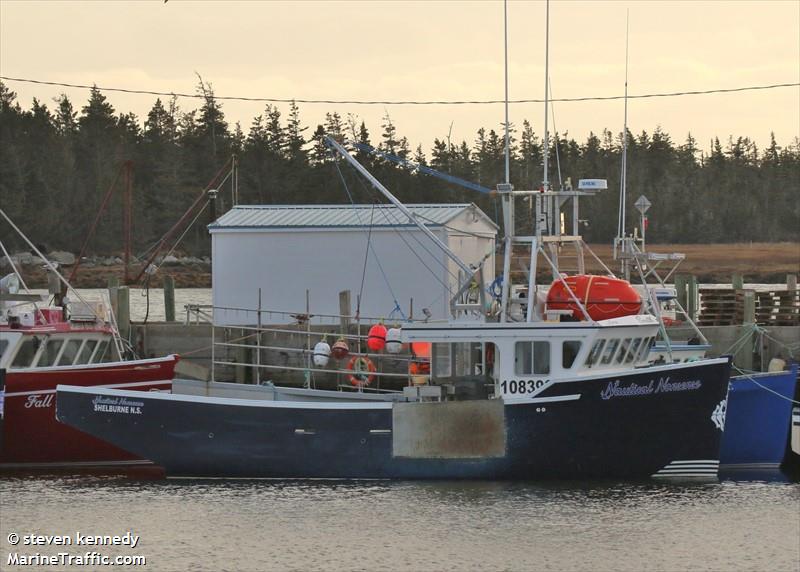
[43, 347]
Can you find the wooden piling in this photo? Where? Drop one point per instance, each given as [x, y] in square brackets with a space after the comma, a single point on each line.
[169, 298]
[749, 307]
[113, 285]
[737, 282]
[680, 288]
[744, 356]
[692, 292]
[791, 282]
[344, 311]
[124, 311]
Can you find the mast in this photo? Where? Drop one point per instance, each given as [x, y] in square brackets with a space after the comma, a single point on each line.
[506, 189]
[546, 151]
[623, 179]
[505, 45]
[624, 175]
[546, 147]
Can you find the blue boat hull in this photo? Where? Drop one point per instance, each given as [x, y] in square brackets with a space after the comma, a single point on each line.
[600, 427]
[758, 421]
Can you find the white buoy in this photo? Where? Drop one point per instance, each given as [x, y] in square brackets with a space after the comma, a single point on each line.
[393, 344]
[322, 353]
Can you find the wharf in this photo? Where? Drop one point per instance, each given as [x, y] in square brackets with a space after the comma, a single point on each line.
[753, 325]
[754, 347]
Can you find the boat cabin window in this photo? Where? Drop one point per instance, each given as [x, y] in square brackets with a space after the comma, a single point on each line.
[645, 348]
[532, 358]
[594, 355]
[26, 353]
[70, 352]
[634, 351]
[457, 359]
[3, 347]
[101, 355]
[611, 349]
[623, 350]
[50, 352]
[86, 352]
[440, 358]
[569, 351]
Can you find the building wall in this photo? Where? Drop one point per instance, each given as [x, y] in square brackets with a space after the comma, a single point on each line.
[285, 263]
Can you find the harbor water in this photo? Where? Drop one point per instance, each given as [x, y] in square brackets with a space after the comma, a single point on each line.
[416, 526]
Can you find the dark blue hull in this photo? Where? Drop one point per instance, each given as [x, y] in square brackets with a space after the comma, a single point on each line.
[600, 427]
[758, 421]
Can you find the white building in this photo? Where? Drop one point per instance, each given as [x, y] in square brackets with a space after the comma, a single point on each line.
[286, 250]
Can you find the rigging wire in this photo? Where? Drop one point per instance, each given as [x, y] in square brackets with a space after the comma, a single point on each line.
[395, 223]
[150, 248]
[400, 102]
[177, 242]
[750, 378]
[366, 260]
[377, 260]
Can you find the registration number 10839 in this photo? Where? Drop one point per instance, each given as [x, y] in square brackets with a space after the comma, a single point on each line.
[522, 386]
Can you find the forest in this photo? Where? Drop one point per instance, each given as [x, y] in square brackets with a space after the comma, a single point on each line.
[57, 162]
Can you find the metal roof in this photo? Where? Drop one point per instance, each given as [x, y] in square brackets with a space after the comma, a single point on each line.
[338, 216]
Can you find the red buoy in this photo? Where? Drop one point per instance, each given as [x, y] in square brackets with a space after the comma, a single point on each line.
[340, 349]
[602, 296]
[376, 339]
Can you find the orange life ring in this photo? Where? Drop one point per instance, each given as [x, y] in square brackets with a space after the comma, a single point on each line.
[363, 371]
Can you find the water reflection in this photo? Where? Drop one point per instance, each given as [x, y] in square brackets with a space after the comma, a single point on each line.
[433, 525]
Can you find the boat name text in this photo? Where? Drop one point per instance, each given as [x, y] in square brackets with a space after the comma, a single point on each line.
[664, 385]
[117, 405]
[40, 400]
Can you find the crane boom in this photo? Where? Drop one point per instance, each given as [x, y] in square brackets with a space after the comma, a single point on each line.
[421, 168]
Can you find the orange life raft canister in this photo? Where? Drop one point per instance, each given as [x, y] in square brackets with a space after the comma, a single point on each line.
[602, 296]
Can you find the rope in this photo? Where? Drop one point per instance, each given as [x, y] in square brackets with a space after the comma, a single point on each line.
[371, 247]
[448, 227]
[749, 377]
[366, 259]
[395, 223]
[177, 242]
[397, 102]
[743, 339]
[21, 280]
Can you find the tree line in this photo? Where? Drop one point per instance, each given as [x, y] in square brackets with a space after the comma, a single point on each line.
[57, 162]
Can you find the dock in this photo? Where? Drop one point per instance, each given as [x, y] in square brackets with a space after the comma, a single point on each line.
[754, 326]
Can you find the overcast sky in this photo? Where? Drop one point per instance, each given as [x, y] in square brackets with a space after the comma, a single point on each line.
[426, 51]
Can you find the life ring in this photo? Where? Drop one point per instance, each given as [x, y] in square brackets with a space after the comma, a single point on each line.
[363, 371]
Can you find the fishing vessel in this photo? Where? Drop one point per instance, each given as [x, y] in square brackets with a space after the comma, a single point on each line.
[545, 393]
[520, 387]
[756, 414]
[42, 345]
